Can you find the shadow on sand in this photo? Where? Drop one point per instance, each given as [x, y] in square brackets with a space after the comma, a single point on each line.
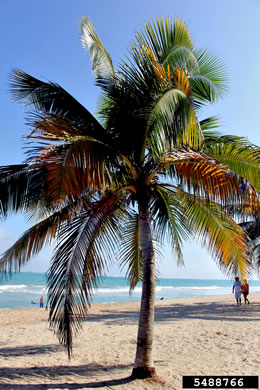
[29, 350]
[164, 312]
[56, 372]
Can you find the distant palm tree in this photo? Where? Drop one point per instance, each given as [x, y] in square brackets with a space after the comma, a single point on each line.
[132, 179]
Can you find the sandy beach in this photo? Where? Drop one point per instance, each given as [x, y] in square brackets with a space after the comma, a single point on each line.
[199, 336]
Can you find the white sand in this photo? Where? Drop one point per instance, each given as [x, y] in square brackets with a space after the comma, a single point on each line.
[200, 336]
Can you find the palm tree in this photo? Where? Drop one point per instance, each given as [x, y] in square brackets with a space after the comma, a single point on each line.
[136, 176]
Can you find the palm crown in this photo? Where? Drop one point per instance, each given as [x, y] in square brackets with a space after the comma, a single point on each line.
[143, 172]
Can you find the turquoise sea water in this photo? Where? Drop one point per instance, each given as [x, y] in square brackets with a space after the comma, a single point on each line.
[25, 287]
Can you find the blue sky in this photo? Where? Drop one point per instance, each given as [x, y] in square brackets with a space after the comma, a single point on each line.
[42, 38]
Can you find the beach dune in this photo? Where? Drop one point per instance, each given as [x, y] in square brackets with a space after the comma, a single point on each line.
[199, 336]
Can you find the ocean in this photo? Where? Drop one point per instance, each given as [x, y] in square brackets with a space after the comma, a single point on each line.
[24, 289]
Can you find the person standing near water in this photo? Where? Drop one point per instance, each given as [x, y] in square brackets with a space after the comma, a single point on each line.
[245, 291]
[41, 302]
[237, 290]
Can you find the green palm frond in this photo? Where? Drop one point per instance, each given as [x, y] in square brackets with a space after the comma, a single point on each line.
[241, 157]
[208, 124]
[168, 220]
[164, 37]
[183, 58]
[100, 58]
[219, 232]
[203, 90]
[85, 247]
[130, 251]
[212, 137]
[210, 83]
[155, 102]
[171, 122]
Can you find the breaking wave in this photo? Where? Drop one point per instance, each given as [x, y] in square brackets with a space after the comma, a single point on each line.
[22, 288]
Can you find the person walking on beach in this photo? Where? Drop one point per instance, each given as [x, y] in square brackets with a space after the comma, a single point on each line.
[41, 302]
[245, 291]
[237, 290]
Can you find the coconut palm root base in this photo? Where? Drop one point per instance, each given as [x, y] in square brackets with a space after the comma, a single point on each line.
[145, 372]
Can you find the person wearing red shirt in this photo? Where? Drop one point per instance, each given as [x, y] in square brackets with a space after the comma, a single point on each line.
[245, 291]
[41, 301]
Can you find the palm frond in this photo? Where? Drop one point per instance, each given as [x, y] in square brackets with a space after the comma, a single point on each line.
[208, 124]
[100, 58]
[85, 246]
[242, 158]
[219, 233]
[212, 137]
[130, 251]
[163, 37]
[209, 178]
[162, 111]
[171, 122]
[21, 186]
[34, 239]
[183, 58]
[73, 168]
[58, 128]
[167, 213]
[50, 98]
[203, 90]
[173, 116]
[210, 83]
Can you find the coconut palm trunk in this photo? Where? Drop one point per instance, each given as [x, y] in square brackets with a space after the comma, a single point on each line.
[144, 366]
